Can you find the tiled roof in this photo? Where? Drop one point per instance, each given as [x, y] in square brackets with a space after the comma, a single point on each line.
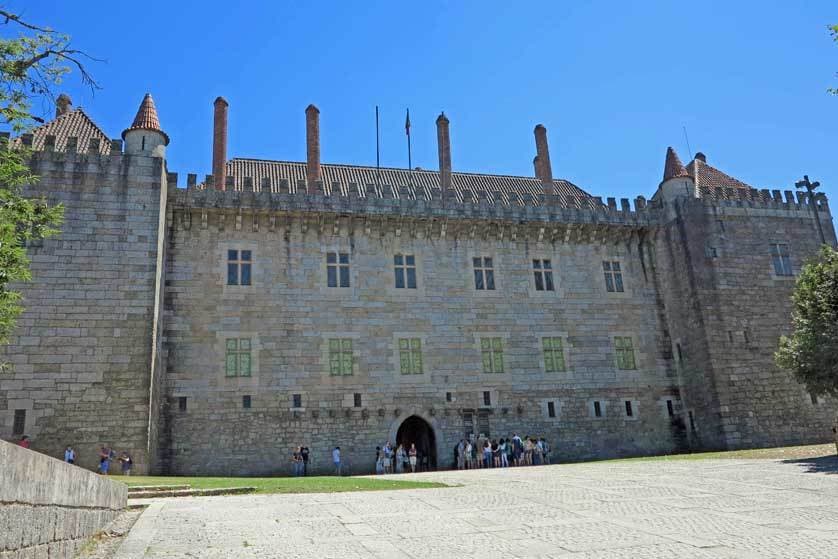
[707, 176]
[673, 168]
[72, 124]
[146, 118]
[257, 170]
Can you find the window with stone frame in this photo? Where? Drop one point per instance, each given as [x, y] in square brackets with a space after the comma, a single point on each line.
[239, 263]
[542, 270]
[484, 273]
[553, 355]
[404, 267]
[410, 356]
[491, 350]
[341, 362]
[551, 409]
[624, 350]
[781, 259]
[613, 276]
[337, 269]
[19, 424]
[238, 358]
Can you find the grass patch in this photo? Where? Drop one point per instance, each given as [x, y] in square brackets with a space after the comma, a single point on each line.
[779, 453]
[314, 484]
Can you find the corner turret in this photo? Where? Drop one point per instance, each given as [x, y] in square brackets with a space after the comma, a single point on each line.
[677, 182]
[144, 136]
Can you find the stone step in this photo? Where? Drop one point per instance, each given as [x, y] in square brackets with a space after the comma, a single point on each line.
[141, 488]
[191, 492]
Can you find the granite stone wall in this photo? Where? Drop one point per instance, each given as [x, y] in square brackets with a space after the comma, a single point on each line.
[49, 508]
[80, 358]
[289, 314]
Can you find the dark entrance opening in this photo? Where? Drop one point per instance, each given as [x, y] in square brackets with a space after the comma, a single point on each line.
[415, 430]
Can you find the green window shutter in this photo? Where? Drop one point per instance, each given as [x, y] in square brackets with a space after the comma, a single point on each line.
[404, 343]
[244, 364]
[417, 363]
[404, 360]
[334, 364]
[487, 362]
[558, 359]
[334, 345]
[485, 343]
[346, 345]
[548, 361]
[231, 365]
[231, 345]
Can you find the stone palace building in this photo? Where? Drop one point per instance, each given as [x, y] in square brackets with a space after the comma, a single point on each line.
[209, 328]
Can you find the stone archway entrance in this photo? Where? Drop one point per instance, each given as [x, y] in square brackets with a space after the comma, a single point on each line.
[415, 430]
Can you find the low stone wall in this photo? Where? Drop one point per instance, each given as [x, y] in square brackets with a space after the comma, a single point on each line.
[49, 508]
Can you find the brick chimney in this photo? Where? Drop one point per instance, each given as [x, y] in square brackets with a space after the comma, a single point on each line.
[219, 143]
[543, 167]
[443, 139]
[312, 148]
[62, 104]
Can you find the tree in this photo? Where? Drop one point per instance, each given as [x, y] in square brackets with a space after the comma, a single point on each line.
[833, 29]
[811, 352]
[33, 61]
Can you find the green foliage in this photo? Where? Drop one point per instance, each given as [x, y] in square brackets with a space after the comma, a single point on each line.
[833, 30]
[33, 61]
[811, 352]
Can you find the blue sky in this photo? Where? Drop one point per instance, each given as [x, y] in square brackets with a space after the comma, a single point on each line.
[615, 83]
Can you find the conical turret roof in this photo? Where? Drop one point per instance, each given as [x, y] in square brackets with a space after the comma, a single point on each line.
[146, 118]
[673, 167]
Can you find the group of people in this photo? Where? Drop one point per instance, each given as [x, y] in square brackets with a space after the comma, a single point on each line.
[399, 460]
[106, 455]
[483, 452]
[299, 461]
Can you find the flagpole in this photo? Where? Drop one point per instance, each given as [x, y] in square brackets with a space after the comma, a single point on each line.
[409, 162]
[377, 154]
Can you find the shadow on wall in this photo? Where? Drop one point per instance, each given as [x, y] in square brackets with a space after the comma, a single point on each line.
[822, 464]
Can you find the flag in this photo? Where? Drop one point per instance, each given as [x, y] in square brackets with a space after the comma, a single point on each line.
[407, 123]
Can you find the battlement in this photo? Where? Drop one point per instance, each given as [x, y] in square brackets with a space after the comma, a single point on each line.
[421, 201]
[409, 201]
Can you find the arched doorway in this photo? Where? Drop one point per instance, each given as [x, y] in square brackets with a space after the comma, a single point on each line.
[415, 430]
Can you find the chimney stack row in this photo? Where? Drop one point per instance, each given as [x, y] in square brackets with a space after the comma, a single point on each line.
[312, 148]
[219, 143]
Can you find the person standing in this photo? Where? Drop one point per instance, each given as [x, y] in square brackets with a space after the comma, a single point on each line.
[504, 463]
[70, 455]
[336, 460]
[461, 459]
[401, 458]
[304, 452]
[379, 465]
[127, 463]
[297, 461]
[411, 454]
[545, 451]
[104, 460]
[467, 456]
[388, 458]
[517, 449]
[487, 454]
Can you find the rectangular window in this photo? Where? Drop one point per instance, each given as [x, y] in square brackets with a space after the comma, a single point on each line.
[543, 272]
[692, 422]
[625, 353]
[670, 410]
[483, 423]
[629, 410]
[19, 425]
[238, 357]
[337, 269]
[487, 398]
[356, 401]
[484, 273]
[410, 356]
[680, 356]
[449, 397]
[553, 355]
[181, 403]
[597, 409]
[551, 409]
[781, 259]
[811, 396]
[404, 266]
[239, 264]
[246, 402]
[296, 400]
[340, 357]
[491, 350]
[468, 423]
[613, 276]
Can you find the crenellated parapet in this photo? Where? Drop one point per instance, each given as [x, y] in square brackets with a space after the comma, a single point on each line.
[405, 201]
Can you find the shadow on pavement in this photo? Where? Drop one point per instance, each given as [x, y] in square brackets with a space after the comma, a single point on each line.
[821, 464]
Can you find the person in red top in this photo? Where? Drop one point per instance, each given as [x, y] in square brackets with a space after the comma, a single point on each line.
[24, 441]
